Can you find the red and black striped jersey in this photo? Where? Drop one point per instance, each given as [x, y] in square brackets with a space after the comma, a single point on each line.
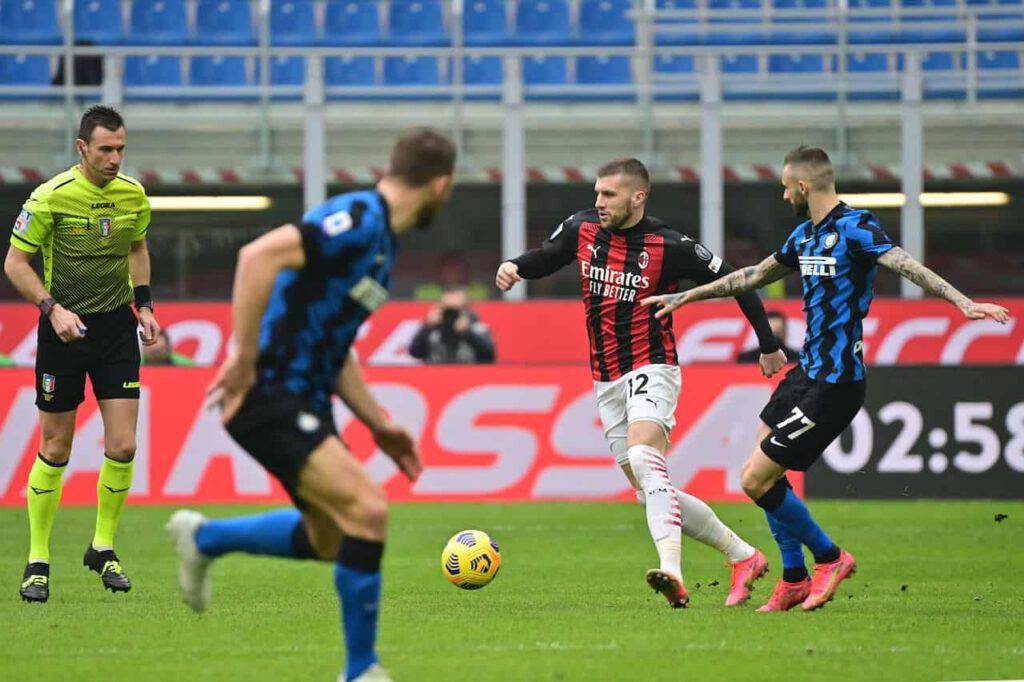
[618, 269]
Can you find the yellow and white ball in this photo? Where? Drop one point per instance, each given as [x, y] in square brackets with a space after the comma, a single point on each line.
[471, 559]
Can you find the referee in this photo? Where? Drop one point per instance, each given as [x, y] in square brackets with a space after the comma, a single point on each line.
[90, 223]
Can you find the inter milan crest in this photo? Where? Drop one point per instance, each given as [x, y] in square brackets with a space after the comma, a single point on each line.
[104, 227]
[831, 240]
[644, 260]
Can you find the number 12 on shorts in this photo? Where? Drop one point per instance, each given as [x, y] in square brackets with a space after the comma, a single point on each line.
[637, 388]
[797, 414]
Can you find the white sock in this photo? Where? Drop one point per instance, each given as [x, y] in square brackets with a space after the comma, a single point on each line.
[701, 524]
[662, 506]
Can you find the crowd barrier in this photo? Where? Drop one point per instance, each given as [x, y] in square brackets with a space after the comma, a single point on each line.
[532, 433]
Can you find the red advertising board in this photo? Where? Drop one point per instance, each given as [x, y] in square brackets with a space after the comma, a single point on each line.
[486, 433]
[553, 333]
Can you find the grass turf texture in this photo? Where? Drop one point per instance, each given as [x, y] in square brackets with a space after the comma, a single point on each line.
[570, 602]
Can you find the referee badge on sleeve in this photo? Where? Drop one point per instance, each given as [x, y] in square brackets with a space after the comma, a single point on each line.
[104, 227]
[21, 223]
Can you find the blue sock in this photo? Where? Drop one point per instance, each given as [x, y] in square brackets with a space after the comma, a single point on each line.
[793, 567]
[791, 514]
[357, 580]
[272, 533]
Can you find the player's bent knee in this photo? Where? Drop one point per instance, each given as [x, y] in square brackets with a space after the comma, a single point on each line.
[753, 482]
[121, 454]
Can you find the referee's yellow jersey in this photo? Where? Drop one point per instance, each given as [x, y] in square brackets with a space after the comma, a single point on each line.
[85, 233]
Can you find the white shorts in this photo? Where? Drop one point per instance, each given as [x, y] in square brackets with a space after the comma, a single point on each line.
[649, 393]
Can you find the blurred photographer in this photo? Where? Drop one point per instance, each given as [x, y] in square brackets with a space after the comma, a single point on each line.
[453, 334]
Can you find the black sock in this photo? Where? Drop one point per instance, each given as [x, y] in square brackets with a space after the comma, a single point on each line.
[794, 575]
[360, 555]
[828, 557]
[772, 499]
[301, 544]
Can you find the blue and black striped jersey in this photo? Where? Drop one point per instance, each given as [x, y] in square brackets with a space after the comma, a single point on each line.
[837, 263]
[314, 313]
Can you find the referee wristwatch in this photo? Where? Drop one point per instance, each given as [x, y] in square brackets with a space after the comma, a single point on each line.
[46, 305]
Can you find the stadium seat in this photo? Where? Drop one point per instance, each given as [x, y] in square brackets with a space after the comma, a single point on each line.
[676, 64]
[158, 22]
[292, 22]
[752, 14]
[999, 60]
[22, 69]
[603, 70]
[416, 22]
[674, 90]
[881, 18]
[350, 71]
[999, 75]
[871, 62]
[739, 63]
[871, 77]
[351, 22]
[152, 70]
[224, 22]
[286, 71]
[482, 70]
[485, 22]
[98, 21]
[805, 14]
[542, 22]
[218, 71]
[796, 63]
[29, 22]
[412, 71]
[545, 70]
[606, 22]
[683, 35]
[931, 28]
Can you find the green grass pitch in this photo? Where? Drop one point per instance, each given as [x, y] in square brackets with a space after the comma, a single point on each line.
[939, 595]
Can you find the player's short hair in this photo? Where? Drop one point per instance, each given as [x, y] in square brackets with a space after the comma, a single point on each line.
[420, 155]
[814, 164]
[99, 115]
[634, 168]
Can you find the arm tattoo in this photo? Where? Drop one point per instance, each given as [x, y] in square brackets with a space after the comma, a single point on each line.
[741, 281]
[903, 264]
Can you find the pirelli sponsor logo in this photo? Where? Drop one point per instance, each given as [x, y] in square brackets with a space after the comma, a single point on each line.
[818, 266]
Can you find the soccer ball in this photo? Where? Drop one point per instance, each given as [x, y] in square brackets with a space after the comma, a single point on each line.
[471, 559]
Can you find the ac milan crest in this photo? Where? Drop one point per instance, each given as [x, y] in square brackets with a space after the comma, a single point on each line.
[644, 260]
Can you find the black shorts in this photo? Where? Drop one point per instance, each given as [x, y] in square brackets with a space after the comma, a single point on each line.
[280, 430]
[806, 416]
[109, 354]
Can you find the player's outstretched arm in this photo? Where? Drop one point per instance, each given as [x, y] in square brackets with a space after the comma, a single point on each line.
[555, 253]
[735, 283]
[903, 264]
[259, 264]
[391, 438]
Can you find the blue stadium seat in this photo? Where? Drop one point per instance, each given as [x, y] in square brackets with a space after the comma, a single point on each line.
[352, 22]
[29, 22]
[1002, 27]
[994, 79]
[542, 22]
[292, 22]
[885, 33]
[796, 63]
[739, 63]
[676, 64]
[999, 60]
[921, 29]
[545, 70]
[674, 90]
[482, 70]
[416, 22]
[752, 14]
[152, 70]
[485, 22]
[224, 22]
[287, 71]
[683, 33]
[606, 22]
[98, 21]
[22, 69]
[603, 70]
[218, 71]
[806, 12]
[871, 62]
[350, 71]
[412, 71]
[158, 22]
